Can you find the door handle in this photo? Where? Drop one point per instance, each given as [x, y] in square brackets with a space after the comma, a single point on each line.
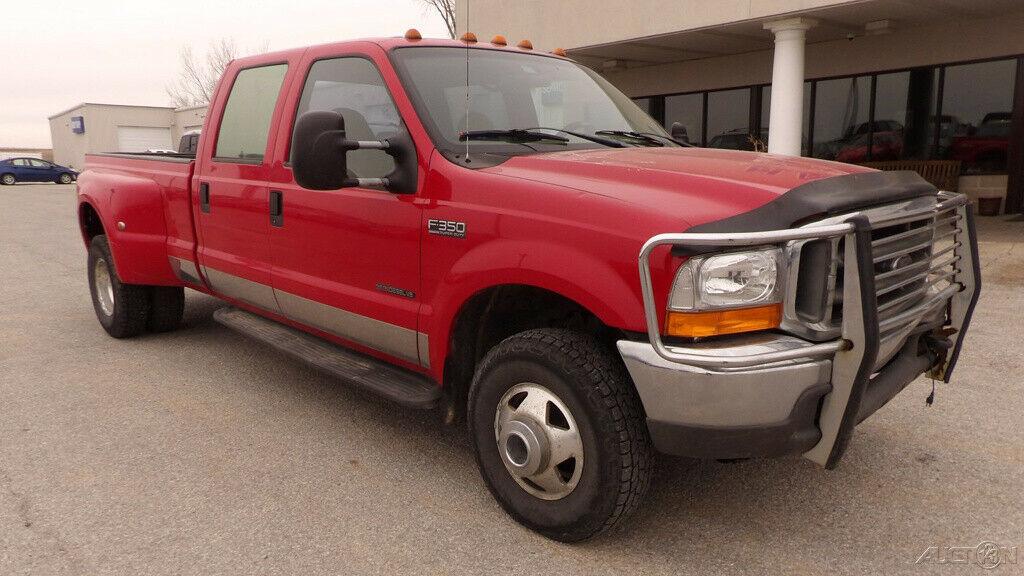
[204, 197]
[276, 208]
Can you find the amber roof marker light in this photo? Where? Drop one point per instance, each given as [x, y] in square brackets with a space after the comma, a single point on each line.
[560, 52]
[499, 40]
[413, 34]
[525, 45]
[468, 38]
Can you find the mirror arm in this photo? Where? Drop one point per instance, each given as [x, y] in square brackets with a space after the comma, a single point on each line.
[347, 145]
[366, 183]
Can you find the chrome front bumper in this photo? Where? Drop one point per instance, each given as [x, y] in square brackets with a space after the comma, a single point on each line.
[771, 394]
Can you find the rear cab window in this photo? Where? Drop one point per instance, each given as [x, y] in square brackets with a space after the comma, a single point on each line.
[245, 121]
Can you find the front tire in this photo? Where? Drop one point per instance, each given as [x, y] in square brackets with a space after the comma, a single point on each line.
[65, 179]
[122, 309]
[559, 433]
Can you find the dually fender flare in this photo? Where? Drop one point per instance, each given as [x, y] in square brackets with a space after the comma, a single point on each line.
[140, 250]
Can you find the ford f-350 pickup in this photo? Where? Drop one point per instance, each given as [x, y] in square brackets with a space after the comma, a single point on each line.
[526, 249]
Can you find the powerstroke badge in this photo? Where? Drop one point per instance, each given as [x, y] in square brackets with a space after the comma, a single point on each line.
[449, 228]
[396, 291]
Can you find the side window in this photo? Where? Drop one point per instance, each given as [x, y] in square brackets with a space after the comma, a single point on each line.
[20, 162]
[245, 123]
[354, 88]
[39, 164]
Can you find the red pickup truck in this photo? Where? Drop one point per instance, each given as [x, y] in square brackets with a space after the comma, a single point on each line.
[524, 248]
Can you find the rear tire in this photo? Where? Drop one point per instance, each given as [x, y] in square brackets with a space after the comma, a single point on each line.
[584, 393]
[8, 180]
[122, 309]
[166, 308]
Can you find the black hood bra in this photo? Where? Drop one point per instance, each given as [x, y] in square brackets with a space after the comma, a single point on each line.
[824, 198]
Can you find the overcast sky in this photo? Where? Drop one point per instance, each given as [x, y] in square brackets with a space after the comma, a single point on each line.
[54, 55]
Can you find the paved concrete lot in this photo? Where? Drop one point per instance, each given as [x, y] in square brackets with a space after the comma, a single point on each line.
[198, 452]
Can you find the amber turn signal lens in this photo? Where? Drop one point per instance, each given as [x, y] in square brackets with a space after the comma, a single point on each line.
[719, 322]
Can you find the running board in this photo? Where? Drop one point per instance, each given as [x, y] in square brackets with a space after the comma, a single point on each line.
[396, 384]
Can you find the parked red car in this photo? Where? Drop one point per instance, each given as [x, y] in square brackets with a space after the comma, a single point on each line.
[541, 260]
[884, 146]
[986, 148]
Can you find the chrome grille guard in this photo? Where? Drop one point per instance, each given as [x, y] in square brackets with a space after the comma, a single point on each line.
[853, 354]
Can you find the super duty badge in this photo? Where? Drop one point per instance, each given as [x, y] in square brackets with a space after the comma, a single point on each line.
[448, 228]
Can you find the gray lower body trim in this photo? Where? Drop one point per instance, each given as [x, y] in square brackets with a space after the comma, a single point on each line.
[397, 341]
[185, 270]
[248, 291]
[423, 342]
[394, 340]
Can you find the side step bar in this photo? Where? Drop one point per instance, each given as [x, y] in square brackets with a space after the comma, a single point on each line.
[396, 384]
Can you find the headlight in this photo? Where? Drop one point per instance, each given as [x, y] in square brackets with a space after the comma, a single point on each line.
[726, 294]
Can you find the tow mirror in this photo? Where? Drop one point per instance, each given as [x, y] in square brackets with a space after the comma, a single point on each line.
[320, 162]
[318, 159]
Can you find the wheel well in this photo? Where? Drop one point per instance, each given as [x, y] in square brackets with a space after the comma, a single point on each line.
[89, 221]
[496, 313]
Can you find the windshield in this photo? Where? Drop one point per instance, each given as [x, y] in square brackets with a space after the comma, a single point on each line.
[516, 92]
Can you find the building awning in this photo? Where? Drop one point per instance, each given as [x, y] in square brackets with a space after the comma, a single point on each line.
[847, 20]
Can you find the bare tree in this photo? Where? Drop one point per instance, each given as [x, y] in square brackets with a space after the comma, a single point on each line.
[446, 8]
[198, 78]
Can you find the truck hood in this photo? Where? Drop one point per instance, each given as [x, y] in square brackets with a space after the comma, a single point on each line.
[695, 185]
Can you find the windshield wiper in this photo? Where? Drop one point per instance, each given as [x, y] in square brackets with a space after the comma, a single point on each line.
[648, 136]
[596, 139]
[535, 134]
[516, 135]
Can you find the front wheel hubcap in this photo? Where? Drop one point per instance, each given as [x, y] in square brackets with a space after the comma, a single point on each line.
[539, 441]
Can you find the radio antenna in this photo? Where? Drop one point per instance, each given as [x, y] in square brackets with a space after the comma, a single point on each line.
[466, 40]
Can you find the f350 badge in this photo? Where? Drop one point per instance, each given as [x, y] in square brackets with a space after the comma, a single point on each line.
[449, 228]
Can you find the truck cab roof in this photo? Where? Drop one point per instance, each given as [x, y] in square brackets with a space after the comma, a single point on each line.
[388, 44]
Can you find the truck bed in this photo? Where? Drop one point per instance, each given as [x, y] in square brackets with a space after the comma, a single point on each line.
[147, 203]
[158, 156]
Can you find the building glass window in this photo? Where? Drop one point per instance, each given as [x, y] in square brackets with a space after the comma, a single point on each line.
[684, 117]
[841, 129]
[729, 119]
[978, 100]
[904, 126]
[245, 122]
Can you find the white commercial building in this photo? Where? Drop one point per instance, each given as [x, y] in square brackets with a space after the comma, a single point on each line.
[922, 82]
[90, 128]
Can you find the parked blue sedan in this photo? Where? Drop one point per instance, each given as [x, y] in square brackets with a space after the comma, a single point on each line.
[14, 170]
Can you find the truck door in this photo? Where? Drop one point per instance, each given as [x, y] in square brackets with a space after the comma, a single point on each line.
[231, 187]
[347, 261]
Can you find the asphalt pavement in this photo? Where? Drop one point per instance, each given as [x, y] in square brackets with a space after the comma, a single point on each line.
[200, 452]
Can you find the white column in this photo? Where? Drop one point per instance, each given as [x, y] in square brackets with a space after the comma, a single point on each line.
[786, 123]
